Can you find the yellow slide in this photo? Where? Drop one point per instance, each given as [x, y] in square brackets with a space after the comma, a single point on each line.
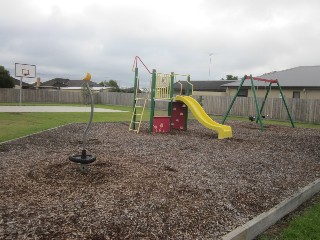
[198, 112]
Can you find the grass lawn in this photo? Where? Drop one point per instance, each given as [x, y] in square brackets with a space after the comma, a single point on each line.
[305, 226]
[300, 226]
[14, 125]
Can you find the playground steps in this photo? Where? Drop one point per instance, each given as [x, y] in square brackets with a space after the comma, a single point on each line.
[137, 114]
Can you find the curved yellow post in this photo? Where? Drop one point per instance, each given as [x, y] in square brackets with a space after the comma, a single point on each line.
[87, 77]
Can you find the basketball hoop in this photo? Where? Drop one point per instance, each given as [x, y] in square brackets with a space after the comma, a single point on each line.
[24, 70]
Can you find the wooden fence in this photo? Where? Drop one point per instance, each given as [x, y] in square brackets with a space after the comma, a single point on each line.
[301, 110]
[44, 96]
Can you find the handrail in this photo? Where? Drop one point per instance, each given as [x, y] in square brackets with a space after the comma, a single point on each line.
[183, 75]
[187, 83]
[135, 64]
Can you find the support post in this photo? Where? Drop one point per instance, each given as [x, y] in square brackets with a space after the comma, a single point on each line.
[135, 91]
[285, 104]
[20, 101]
[171, 94]
[234, 99]
[152, 102]
[256, 103]
[188, 86]
[187, 110]
[265, 99]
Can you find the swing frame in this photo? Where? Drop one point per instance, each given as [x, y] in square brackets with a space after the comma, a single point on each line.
[259, 110]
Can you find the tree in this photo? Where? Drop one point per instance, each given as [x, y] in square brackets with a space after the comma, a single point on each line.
[6, 80]
[231, 77]
[113, 84]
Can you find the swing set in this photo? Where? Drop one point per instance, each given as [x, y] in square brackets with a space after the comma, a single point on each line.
[259, 109]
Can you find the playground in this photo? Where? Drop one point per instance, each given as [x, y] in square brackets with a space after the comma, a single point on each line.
[169, 178]
[175, 185]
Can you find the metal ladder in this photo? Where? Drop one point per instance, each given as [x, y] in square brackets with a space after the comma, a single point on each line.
[137, 115]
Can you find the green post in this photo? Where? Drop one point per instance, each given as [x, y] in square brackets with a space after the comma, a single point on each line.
[187, 110]
[152, 102]
[265, 99]
[234, 99]
[171, 94]
[256, 103]
[135, 88]
[285, 104]
[188, 86]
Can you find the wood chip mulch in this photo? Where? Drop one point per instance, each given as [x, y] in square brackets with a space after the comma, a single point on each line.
[180, 185]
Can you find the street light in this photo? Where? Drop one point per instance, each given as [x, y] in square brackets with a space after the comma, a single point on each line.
[210, 54]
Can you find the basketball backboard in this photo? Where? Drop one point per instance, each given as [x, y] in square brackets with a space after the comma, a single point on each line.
[25, 70]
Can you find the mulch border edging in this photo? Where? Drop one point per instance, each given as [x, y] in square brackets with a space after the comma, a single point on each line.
[262, 222]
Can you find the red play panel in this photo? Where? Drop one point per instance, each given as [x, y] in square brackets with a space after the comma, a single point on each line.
[178, 120]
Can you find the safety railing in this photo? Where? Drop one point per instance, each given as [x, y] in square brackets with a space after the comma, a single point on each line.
[181, 87]
[163, 86]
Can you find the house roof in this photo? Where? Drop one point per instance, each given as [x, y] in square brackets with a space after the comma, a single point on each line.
[214, 85]
[304, 76]
[24, 84]
[56, 82]
[63, 82]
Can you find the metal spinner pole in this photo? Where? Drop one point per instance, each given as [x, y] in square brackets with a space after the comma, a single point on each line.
[84, 159]
[85, 134]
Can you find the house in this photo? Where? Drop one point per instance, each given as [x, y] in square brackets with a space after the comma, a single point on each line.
[67, 84]
[24, 84]
[203, 88]
[300, 82]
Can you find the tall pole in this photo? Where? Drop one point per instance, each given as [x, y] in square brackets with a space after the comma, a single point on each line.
[256, 103]
[233, 100]
[171, 94]
[285, 104]
[135, 91]
[20, 91]
[152, 102]
[210, 54]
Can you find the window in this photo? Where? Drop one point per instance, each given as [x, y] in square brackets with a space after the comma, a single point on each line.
[243, 93]
[296, 94]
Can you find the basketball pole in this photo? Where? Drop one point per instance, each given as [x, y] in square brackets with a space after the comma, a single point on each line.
[20, 90]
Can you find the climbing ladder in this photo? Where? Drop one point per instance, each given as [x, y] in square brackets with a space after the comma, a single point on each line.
[139, 101]
[137, 114]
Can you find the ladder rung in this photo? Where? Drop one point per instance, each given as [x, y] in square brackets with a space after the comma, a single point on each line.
[135, 130]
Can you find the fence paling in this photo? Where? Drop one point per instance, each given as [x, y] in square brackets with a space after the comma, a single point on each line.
[302, 110]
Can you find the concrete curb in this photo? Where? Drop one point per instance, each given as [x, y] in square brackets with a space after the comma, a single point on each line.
[262, 222]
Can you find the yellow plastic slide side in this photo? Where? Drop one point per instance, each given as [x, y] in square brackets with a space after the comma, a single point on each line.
[199, 113]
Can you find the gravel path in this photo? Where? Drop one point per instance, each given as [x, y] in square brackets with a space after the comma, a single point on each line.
[181, 185]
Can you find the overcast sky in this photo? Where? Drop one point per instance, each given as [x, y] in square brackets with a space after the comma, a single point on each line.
[65, 38]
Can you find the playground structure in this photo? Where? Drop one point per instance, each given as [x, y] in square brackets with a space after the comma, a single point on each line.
[161, 90]
[259, 116]
[84, 159]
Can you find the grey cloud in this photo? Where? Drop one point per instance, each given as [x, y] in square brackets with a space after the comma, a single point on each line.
[103, 37]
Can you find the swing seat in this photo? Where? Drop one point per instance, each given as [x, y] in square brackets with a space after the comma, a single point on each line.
[252, 118]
